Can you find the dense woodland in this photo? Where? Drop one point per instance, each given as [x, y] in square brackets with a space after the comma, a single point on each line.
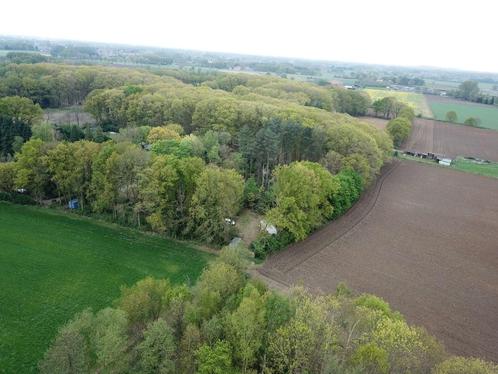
[228, 323]
[179, 152]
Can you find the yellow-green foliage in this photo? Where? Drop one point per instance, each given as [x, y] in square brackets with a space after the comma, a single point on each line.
[399, 129]
[462, 365]
[7, 176]
[414, 100]
[303, 192]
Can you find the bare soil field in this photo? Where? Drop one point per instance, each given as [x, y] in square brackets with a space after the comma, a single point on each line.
[424, 238]
[379, 123]
[453, 140]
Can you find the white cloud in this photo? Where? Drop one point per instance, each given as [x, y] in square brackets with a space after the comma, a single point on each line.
[437, 33]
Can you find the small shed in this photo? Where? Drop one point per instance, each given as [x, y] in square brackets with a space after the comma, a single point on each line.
[445, 161]
[269, 228]
[73, 204]
[235, 242]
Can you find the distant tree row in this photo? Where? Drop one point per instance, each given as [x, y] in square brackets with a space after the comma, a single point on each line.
[54, 86]
[389, 107]
[51, 85]
[469, 90]
[227, 323]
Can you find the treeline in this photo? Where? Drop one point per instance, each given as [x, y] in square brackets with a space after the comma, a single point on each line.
[55, 86]
[17, 45]
[26, 57]
[328, 98]
[469, 91]
[184, 159]
[228, 323]
[186, 186]
[400, 127]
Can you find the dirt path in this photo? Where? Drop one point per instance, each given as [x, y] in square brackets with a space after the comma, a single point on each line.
[425, 239]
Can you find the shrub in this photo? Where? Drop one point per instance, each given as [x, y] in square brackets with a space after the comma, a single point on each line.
[267, 244]
[462, 365]
[371, 359]
[472, 121]
[7, 176]
[17, 198]
[451, 116]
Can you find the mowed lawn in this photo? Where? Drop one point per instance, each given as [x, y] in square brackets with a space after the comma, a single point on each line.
[53, 265]
[415, 100]
[488, 114]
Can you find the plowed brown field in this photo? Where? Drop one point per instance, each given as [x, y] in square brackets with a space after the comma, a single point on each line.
[424, 238]
[453, 140]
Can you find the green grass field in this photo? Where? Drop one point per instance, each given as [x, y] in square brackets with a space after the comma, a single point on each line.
[415, 100]
[53, 265]
[487, 114]
[490, 170]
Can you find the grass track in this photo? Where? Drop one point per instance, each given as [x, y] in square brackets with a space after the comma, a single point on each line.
[53, 265]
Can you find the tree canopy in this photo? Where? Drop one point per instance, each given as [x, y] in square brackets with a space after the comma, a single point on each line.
[229, 323]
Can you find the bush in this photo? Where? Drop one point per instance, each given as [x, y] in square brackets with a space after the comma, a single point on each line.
[472, 121]
[267, 244]
[17, 198]
[451, 116]
[462, 365]
[7, 176]
[371, 359]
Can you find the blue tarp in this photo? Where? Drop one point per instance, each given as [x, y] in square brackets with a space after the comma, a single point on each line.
[73, 204]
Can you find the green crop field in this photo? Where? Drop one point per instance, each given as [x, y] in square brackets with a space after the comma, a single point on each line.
[488, 114]
[53, 265]
[415, 100]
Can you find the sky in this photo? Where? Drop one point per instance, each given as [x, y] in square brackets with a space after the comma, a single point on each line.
[450, 34]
